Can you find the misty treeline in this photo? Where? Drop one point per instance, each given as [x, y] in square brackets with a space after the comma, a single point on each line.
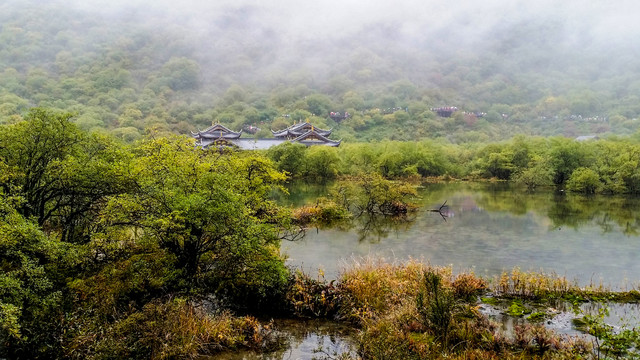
[594, 166]
[125, 72]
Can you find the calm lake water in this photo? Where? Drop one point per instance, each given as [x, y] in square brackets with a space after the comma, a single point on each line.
[489, 228]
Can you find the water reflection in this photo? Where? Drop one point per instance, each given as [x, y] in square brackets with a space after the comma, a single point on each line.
[491, 228]
[311, 339]
[373, 228]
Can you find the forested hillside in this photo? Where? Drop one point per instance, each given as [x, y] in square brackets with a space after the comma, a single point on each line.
[125, 69]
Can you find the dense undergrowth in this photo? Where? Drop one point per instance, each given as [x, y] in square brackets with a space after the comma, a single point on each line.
[109, 251]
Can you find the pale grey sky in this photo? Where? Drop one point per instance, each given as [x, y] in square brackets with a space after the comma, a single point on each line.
[321, 18]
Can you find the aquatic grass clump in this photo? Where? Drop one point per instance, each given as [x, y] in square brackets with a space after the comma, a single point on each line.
[533, 284]
[407, 310]
[372, 286]
[436, 305]
[419, 311]
[541, 286]
[325, 211]
[310, 297]
[535, 339]
[468, 286]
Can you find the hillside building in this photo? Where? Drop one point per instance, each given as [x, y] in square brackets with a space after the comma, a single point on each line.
[219, 136]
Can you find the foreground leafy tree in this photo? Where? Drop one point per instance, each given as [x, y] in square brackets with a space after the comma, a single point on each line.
[55, 180]
[32, 150]
[208, 212]
[63, 174]
[30, 296]
[97, 235]
[198, 228]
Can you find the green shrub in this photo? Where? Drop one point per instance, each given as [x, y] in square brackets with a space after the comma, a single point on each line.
[584, 180]
[325, 211]
[373, 195]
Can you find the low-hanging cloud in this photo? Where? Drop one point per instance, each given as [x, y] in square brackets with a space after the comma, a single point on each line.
[297, 19]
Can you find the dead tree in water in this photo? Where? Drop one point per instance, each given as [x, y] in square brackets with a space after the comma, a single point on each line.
[440, 210]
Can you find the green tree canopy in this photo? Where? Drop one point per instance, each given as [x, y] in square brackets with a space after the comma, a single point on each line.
[210, 212]
[62, 174]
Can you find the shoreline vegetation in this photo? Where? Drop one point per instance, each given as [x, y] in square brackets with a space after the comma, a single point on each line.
[161, 250]
[601, 166]
[415, 310]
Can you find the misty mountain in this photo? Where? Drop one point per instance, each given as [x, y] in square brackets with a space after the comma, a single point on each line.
[126, 66]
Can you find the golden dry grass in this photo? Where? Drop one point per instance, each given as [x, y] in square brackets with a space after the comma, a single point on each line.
[380, 297]
[531, 284]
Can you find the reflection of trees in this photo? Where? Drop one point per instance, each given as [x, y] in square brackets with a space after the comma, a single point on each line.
[628, 226]
[301, 193]
[605, 222]
[512, 200]
[566, 212]
[376, 227]
[632, 228]
[608, 212]
[372, 228]
[611, 213]
[571, 210]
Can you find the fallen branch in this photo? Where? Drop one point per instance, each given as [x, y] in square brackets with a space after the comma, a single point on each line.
[440, 209]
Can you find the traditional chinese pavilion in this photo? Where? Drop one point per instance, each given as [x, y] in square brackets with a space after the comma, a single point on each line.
[217, 136]
[220, 136]
[315, 137]
[296, 130]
